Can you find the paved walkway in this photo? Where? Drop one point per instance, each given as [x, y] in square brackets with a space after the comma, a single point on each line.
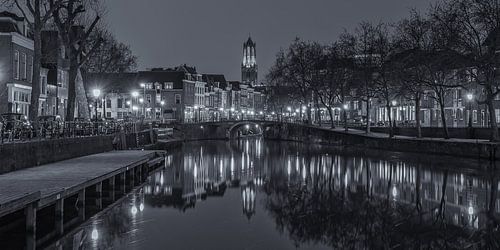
[53, 178]
[402, 137]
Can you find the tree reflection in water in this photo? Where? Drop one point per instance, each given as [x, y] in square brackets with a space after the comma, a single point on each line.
[316, 195]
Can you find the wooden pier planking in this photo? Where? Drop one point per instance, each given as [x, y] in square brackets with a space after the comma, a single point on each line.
[50, 182]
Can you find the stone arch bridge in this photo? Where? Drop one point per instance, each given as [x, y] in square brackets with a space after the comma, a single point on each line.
[226, 129]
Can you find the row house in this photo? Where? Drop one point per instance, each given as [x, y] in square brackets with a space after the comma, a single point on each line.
[54, 87]
[216, 96]
[157, 94]
[16, 69]
[16, 64]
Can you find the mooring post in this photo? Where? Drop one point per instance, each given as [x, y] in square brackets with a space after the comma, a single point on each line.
[112, 187]
[123, 181]
[81, 204]
[59, 224]
[30, 213]
[98, 190]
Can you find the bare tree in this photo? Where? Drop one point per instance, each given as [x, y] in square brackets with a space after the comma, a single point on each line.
[111, 57]
[333, 88]
[300, 66]
[412, 36]
[367, 61]
[477, 25]
[70, 20]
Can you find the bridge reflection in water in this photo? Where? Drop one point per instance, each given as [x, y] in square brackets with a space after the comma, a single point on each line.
[321, 196]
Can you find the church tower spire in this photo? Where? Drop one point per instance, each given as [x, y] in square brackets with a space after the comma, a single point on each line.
[249, 65]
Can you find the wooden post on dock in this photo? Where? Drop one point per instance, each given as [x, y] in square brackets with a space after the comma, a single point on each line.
[59, 224]
[98, 190]
[123, 181]
[30, 213]
[81, 204]
[111, 190]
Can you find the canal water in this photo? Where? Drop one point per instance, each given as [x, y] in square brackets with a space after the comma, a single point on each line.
[257, 194]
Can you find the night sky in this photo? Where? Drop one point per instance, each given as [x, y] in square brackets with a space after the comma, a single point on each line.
[209, 34]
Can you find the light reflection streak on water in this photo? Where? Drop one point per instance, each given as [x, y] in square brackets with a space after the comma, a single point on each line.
[467, 195]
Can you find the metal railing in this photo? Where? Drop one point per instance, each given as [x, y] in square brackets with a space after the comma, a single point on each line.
[19, 131]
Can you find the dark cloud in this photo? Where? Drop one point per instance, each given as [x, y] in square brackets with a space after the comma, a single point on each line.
[209, 34]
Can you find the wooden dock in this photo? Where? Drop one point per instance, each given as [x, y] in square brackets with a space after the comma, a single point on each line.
[90, 178]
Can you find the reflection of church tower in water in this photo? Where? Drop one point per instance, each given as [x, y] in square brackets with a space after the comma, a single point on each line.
[249, 64]
[248, 197]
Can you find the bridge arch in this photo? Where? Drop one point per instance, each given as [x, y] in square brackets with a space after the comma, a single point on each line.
[250, 127]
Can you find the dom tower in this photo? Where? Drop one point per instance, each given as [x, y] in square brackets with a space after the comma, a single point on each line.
[249, 65]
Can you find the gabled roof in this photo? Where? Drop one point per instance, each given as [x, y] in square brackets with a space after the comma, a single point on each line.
[213, 79]
[186, 69]
[111, 82]
[234, 85]
[175, 77]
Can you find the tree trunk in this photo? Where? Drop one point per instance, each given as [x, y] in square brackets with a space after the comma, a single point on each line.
[443, 118]
[330, 112]
[318, 113]
[35, 78]
[493, 120]
[368, 115]
[345, 120]
[389, 115]
[417, 115]
[73, 71]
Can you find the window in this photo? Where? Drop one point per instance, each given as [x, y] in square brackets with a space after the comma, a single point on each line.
[108, 114]
[169, 85]
[474, 116]
[177, 99]
[30, 69]
[43, 84]
[16, 65]
[497, 115]
[24, 68]
[108, 104]
[158, 98]
[119, 103]
[148, 98]
[119, 115]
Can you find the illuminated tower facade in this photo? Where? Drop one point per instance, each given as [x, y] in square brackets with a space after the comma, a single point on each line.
[249, 64]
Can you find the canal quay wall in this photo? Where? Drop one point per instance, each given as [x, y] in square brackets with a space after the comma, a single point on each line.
[21, 155]
[311, 134]
[437, 146]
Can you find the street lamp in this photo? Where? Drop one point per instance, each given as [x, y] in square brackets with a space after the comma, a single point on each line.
[143, 86]
[96, 93]
[470, 97]
[162, 103]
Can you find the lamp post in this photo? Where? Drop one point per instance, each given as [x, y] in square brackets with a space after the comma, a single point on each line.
[394, 103]
[162, 103]
[143, 86]
[289, 109]
[96, 93]
[346, 107]
[135, 94]
[470, 97]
